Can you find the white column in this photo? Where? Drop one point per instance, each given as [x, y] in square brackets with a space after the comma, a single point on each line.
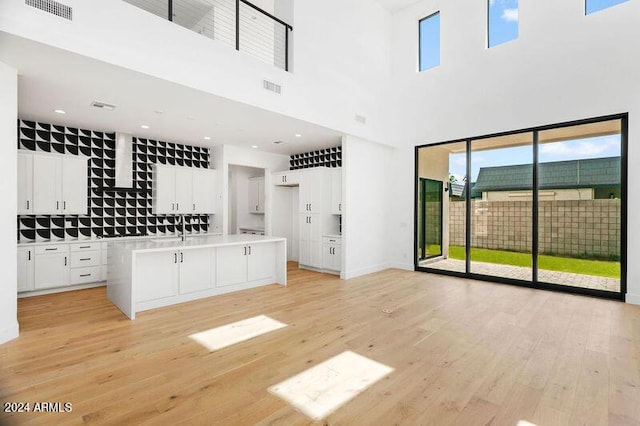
[8, 190]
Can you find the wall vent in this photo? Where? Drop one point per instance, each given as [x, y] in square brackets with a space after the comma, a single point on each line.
[271, 86]
[361, 119]
[52, 7]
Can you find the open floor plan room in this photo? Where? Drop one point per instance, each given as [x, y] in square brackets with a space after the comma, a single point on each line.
[462, 352]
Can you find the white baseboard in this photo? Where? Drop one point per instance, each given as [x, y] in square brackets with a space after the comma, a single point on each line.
[61, 289]
[9, 333]
[403, 266]
[347, 275]
[633, 299]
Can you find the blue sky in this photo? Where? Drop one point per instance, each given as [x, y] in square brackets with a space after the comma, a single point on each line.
[603, 146]
[430, 42]
[596, 5]
[503, 21]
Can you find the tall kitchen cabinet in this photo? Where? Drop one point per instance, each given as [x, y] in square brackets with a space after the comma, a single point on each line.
[183, 190]
[52, 184]
[256, 195]
[315, 214]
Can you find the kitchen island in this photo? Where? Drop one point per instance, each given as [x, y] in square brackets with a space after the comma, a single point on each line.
[149, 274]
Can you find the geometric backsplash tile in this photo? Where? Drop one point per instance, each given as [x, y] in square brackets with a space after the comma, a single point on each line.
[330, 157]
[112, 213]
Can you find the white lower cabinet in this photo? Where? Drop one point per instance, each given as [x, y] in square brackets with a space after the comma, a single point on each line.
[240, 264]
[332, 254]
[26, 258]
[51, 270]
[196, 270]
[169, 273]
[157, 275]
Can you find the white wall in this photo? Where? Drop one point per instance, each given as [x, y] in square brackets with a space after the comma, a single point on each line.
[341, 49]
[366, 184]
[226, 155]
[8, 189]
[564, 66]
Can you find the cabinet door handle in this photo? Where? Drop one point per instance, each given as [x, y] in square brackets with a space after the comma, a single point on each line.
[194, 207]
[52, 249]
[27, 204]
[309, 219]
[65, 261]
[57, 205]
[181, 257]
[84, 247]
[29, 252]
[249, 250]
[86, 258]
[173, 206]
[245, 250]
[64, 205]
[340, 207]
[175, 257]
[310, 209]
[85, 275]
[177, 206]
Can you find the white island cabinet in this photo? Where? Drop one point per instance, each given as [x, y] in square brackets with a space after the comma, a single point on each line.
[149, 274]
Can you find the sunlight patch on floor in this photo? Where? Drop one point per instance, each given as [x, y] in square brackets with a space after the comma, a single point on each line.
[322, 389]
[230, 334]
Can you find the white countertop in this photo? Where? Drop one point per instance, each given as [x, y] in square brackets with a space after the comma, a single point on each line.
[111, 239]
[147, 246]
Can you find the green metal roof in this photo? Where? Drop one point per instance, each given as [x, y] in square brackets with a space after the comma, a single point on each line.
[556, 175]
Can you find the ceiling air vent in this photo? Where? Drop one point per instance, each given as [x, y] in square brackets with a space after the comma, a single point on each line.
[361, 119]
[52, 7]
[271, 86]
[102, 105]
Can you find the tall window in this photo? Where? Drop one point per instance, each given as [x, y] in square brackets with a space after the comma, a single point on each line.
[503, 21]
[597, 5]
[429, 29]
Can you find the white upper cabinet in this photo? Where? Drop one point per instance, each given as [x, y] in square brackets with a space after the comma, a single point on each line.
[256, 195]
[25, 183]
[314, 191]
[336, 190]
[204, 191]
[288, 178]
[74, 185]
[59, 184]
[183, 190]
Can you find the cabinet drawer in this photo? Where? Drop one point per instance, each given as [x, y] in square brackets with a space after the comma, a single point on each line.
[85, 275]
[52, 249]
[85, 258]
[85, 246]
[332, 240]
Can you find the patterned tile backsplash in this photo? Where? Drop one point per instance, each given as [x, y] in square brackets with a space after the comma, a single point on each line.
[329, 157]
[112, 213]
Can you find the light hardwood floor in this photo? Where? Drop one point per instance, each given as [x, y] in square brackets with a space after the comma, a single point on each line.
[464, 352]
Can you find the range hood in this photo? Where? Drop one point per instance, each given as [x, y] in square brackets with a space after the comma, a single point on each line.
[124, 161]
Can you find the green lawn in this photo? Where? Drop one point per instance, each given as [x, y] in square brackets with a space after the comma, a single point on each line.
[597, 268]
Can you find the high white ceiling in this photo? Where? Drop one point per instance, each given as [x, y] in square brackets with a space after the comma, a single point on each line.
[395, 5]
[51, 78]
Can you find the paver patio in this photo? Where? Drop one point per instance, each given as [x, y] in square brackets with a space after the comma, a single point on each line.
[524, 273]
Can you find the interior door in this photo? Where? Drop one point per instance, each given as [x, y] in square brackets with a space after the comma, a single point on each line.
[430, 218]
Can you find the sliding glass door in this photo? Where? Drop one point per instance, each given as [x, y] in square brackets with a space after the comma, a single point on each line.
[545, 207]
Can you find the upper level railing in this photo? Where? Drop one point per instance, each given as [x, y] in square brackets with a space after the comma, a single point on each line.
[236, 23]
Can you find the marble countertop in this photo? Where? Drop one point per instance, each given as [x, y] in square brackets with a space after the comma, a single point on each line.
[155, 245]
[112, 239]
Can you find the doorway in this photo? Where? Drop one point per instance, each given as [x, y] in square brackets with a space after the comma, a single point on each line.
[430, 218]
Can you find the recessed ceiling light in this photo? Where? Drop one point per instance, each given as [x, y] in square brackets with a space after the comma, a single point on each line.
[207, 138]
[59, 111]
[144, 126]
[298, 135]
[254, 146]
